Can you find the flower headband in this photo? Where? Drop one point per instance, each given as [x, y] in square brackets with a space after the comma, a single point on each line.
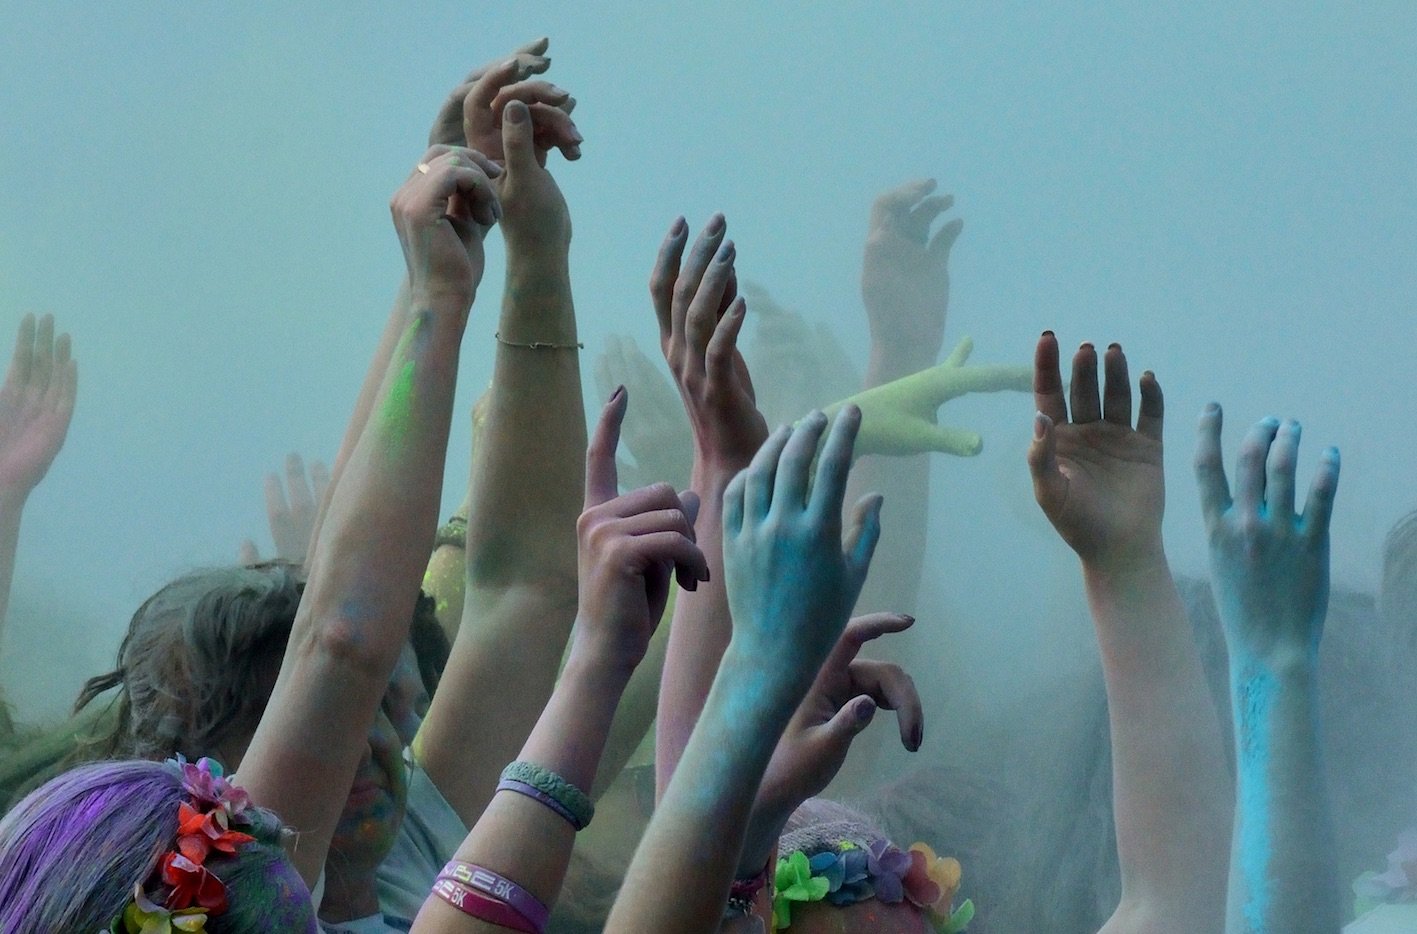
[848, 873]
[204, 824]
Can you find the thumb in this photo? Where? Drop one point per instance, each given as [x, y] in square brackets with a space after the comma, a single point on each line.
[854, 716]
[1050, 487]
[517, 136]
[248, 554]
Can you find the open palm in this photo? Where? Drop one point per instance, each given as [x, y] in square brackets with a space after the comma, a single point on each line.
[1097, 479]
[36, 404]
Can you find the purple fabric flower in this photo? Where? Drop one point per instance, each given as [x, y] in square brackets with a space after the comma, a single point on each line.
[888, 865]
[206, 783]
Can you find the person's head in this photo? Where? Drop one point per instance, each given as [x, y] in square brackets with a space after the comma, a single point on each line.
[876, 886]
[73, 852]
[198, 666]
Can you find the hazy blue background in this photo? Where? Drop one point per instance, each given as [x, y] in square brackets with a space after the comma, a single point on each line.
[200, 197]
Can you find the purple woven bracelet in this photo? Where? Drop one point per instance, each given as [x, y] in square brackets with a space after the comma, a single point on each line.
[499, 887]
[531, 791]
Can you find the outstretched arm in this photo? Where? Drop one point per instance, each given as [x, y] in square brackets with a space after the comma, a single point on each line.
[1099, 480]
[792, 583]
[631, 549]
[36, 405]
[523, 500]
[700, 317]
[1270, 568]
[366, 565]
[905, 285]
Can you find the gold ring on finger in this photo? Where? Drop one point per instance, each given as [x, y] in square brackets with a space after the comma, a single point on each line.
[423, 168]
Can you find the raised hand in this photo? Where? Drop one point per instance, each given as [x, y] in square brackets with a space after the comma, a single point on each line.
[840, 704]
[1098, 479]
[292, 518]
[700, 316]
[1268, 561]
[791, 580]
[530, 59]
[36, 405]
[905, 277]
[799, 366]
[486, 93]
[632, 548]
[442, 213]
[536, 218]
[655, 432]
[899, 418]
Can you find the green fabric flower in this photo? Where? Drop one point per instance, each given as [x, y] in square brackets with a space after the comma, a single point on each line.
[795, 883]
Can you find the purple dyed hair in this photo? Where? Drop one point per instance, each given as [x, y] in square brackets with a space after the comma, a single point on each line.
[72, 851]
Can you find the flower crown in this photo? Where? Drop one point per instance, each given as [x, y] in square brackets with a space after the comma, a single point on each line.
[849, 873]
[203, 826]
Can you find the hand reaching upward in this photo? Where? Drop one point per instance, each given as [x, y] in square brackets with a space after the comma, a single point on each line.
[36, 405]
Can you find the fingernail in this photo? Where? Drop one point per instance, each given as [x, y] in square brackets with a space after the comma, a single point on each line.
[1270, 421]
[559, 91]
[918, 736]
[907, 617]
[706, 576]
[1048, 334]
[1114, 346]
[678, 227]
[576, 135]
[516, 112]
[727, 252]
[1331, 455]
[1212, 408]
[1086, 345]
[615, 396]
[1040, 426]
[715, 225]
[864, 712]
[493, 169]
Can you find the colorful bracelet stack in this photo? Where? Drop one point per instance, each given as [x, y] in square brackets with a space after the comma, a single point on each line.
[550, 789]
[745, 892]
[490, 897]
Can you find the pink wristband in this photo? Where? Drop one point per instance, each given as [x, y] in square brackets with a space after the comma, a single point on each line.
[499, 887]
[475, 904]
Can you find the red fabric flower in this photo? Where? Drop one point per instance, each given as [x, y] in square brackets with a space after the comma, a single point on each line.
[198, 834]
[192, 883]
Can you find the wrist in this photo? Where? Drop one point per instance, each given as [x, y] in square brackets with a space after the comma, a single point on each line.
[890, 362]
[1126, 564]
[764, 830]
[597, 665]
[442, 301]
[765, 687]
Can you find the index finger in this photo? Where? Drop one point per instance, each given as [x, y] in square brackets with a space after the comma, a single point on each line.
[864, 629]
[665, 274]
[601, 479]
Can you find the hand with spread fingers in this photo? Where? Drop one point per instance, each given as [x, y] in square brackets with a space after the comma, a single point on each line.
[1097, 478]
[1268, 560]
[800, 366]
[442, 213]
[292, 518]
[656, 434]
[700, 317]
[905, 275]
[1270, 568]
[36, 405]
[899, 418]
[791, 580]
[530, 59]
[632, 548]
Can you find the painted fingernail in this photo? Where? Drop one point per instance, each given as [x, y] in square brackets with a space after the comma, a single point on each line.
[907, 617]
[517, 112]
[917, 737]
[727, 252]
[865, 711]
[679, 226]
[1270, 421]
[1087, 345]
[576, 135]
[1212, 408]
[715, 225]
[1040, 426]
[615, 396]
[1114, 346]
[1049, 334]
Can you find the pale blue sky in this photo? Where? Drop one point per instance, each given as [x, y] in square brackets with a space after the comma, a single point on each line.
[200, 196]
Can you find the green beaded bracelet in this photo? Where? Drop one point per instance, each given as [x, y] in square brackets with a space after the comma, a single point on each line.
[553, 786]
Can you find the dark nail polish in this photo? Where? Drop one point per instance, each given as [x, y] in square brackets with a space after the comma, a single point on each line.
[917, 737]
[679, 226]
[1049, 334]
[615, 396]
[1114, 346]
[727, 252]
[715, 225]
